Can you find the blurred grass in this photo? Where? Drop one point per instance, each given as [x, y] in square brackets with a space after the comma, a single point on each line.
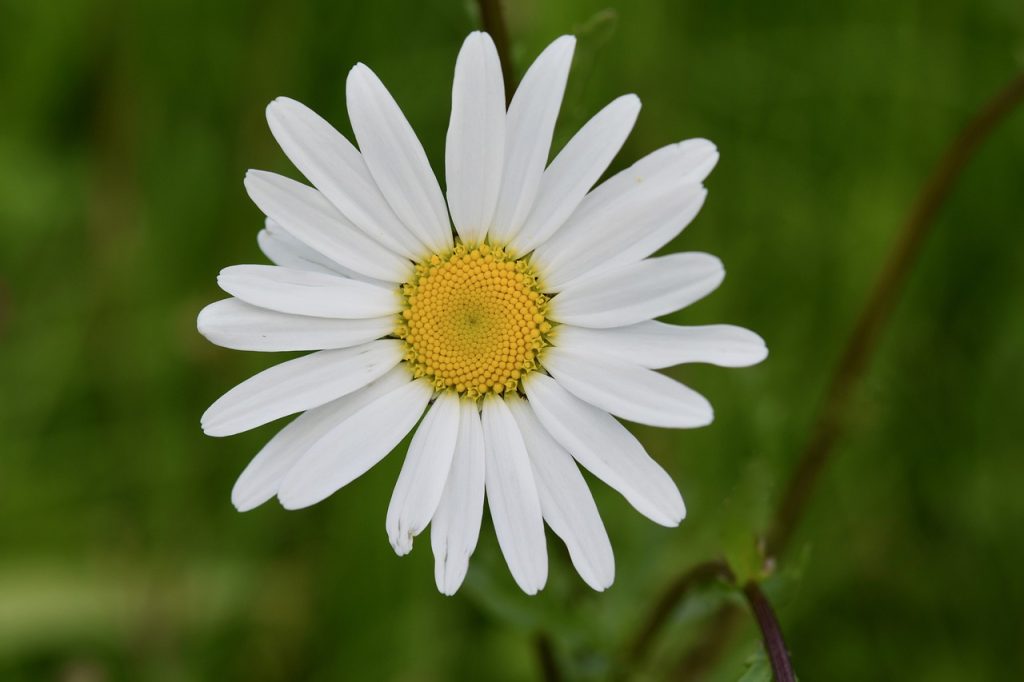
[124, 132]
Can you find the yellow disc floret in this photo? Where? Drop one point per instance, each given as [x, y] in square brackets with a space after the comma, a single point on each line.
[474, 320]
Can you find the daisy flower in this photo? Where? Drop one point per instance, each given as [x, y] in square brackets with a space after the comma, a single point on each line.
[514, 340]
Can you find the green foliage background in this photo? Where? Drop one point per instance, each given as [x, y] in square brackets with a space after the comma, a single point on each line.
[125, 129]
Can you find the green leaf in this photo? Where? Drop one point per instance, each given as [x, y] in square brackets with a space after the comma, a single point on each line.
[759, 669]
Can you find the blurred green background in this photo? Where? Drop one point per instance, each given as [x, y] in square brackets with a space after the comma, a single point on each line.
[125, 130]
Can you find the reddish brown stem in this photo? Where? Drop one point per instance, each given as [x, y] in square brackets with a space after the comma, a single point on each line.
[863, 341]
[876, 312]
[771, 633]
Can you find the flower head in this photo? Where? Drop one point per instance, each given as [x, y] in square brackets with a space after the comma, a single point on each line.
[512, 340]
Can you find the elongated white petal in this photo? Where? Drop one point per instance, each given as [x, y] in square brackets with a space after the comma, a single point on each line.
[301, 292]
[424, 473]
[631, 215]
[288, 252]
[351, 447]
[315, 222]
[455, 528]
[575, 170]
[656, 344]
[628, 391]
[299, 384]
[565, 500]
[642, 221]
[529, 126]
[260, 480]
[231, 323]
[475, 149]
[337, 169]
[605, 448]
[638, 291]
[396, 159]
[512, 498]
[685, 163]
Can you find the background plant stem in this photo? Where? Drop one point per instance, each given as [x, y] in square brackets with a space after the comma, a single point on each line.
[876, 312]
[493, 21]
[771, 632]
[863, 341]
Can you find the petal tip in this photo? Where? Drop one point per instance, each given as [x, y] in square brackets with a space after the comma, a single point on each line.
[243, 504]
[290, 501]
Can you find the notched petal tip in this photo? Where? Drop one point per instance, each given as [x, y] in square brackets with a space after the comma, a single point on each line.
[291, 501]
[359, 70]
[272, 109]
[402, 543]
[208, 422]
[533, 589]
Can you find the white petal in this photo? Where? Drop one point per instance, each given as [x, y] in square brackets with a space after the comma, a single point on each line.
[314, 221]
[628, 391]
[455, 528]
[643, 220]
[288, 252]
[631, 215]
[260, 480]
[475, 150]
[638, 291]
[575, 170]
[352, 446]
[396, 159]
[605, 448]
[512, 498]
[566, 501]
[656, 344]
[337, 169]
[424, 473]
[301, 292]
[688, 163]
[529, 127]
[299, 384]
[234, 324]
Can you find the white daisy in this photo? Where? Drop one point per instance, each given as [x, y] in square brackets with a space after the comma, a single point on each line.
[516, 337]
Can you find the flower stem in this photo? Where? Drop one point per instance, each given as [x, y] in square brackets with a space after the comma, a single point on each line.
[864, 339]
[550, 672]
[771, 633]
[493, 20]
[862, 342]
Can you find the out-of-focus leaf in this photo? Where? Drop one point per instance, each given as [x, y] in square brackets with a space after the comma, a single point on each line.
[758, 669]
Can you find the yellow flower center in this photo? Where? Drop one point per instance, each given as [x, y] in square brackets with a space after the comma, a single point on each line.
[474, 320]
